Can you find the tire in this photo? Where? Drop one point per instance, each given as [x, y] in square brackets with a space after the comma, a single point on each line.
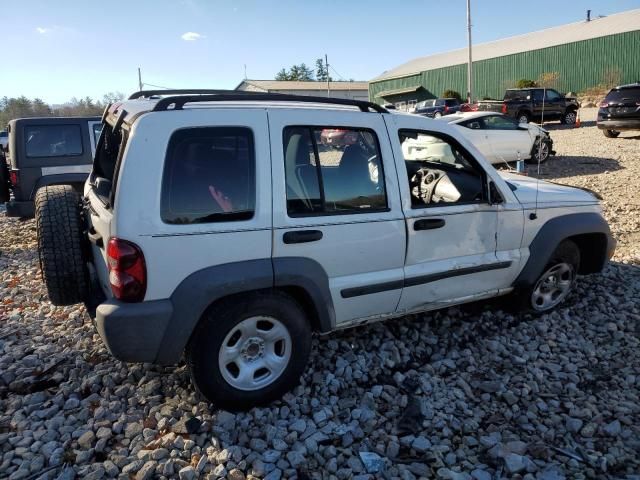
[611, 133]
[437, 115]
[4, 179]
[569, 117]
[544, 147]
[554, 283]
[523, 117]
[217, 335]
[60, 244]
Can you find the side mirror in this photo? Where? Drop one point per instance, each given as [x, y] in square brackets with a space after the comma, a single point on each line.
[495, 197]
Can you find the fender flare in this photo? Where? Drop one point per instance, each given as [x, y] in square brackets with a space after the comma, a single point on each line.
[199, 290]
[552, 233]
[59, 179]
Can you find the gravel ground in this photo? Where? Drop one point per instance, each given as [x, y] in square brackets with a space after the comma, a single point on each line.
[467, 393]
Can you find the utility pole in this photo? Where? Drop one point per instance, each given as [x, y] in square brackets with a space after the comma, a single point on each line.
[470, 64]
[245, 71]
[139, 79]
[326, 66]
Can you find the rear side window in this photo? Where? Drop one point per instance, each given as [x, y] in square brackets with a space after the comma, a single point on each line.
[333, 170]
[53, 140]
[209, 176]
[624, 95]
[520, 95]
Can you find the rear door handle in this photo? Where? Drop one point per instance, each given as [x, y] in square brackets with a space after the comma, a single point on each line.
[428, 224]
[302, 236]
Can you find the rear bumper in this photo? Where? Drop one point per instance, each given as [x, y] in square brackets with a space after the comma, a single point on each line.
[133, 332]
[631, 124]
[20, 209]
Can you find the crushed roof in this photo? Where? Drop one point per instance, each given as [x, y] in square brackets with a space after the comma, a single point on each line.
[628, 21]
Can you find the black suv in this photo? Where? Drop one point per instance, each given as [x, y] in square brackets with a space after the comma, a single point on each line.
[438, 107]
[620, 110]
[45, 151]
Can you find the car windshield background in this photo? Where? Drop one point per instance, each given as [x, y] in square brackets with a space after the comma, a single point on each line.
[333, 170]
[439, 171]
[209, 176]
[53, 140]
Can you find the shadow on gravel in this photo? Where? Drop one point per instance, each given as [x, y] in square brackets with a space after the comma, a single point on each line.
[563, 166]
[559, 126]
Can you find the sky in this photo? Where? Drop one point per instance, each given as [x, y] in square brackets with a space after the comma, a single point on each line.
[58, 49]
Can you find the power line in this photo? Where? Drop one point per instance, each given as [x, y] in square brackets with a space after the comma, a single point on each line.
[334, 71]
[157, 86]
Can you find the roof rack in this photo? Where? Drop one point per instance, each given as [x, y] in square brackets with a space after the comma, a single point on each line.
[178, 98]
[185, 91]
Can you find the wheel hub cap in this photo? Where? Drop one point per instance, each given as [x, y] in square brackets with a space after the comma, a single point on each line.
[553, 286]
[255, 353]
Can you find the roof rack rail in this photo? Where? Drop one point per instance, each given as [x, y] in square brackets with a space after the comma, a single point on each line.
[185, 91]
[179, 101]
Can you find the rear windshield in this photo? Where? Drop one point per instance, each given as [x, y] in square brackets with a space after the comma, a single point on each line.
[516, 94]
[624, 95]
[53, 140]
[209, 176]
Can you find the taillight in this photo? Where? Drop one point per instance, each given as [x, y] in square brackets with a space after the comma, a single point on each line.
[127, 270]
[504, 108]
[13, 177]
[446, 109]
[603, 104]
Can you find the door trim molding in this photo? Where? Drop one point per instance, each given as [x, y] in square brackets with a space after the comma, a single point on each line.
[421, 279]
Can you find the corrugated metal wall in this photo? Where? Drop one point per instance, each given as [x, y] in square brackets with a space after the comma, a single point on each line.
[580, 65]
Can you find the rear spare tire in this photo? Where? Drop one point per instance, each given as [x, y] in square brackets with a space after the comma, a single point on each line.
[60, 244]
[4, 179]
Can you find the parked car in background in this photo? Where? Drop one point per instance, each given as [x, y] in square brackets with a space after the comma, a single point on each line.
[228, 237]
[501, 139]
[439, 107]
[4, 139]
[469, 107]
[337, 137]
[620, 110]
[526, 104]
[47, 151]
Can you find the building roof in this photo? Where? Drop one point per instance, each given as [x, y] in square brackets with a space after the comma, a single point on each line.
[573, 32]
[275, 85]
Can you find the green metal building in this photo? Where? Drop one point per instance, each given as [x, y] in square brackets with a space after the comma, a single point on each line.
[577, 56]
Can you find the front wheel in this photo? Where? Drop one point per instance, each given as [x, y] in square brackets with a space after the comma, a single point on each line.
[249, 351]
[611, 133]
[540, 153]
[555, 282]
[569, 118]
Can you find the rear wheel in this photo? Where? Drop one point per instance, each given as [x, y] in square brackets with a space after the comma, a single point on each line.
[437, 115]
[60, 244]
[249, 351]
[555, 282]
[611, 133]
[523, 117]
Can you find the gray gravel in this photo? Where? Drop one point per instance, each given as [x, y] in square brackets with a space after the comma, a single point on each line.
[467, 393]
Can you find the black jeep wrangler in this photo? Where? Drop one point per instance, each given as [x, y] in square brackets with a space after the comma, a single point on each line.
[45, 151]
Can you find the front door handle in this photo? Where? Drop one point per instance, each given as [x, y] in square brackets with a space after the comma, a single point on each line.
[428, 224]
[302, 236]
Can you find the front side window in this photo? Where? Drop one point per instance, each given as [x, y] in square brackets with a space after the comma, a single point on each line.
[209, 176]
[53, 140]
[439, 171]
[497, 122]
[333, 171]
[552, 95]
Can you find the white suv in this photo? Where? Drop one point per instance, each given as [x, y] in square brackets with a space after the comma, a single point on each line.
[219, 225]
